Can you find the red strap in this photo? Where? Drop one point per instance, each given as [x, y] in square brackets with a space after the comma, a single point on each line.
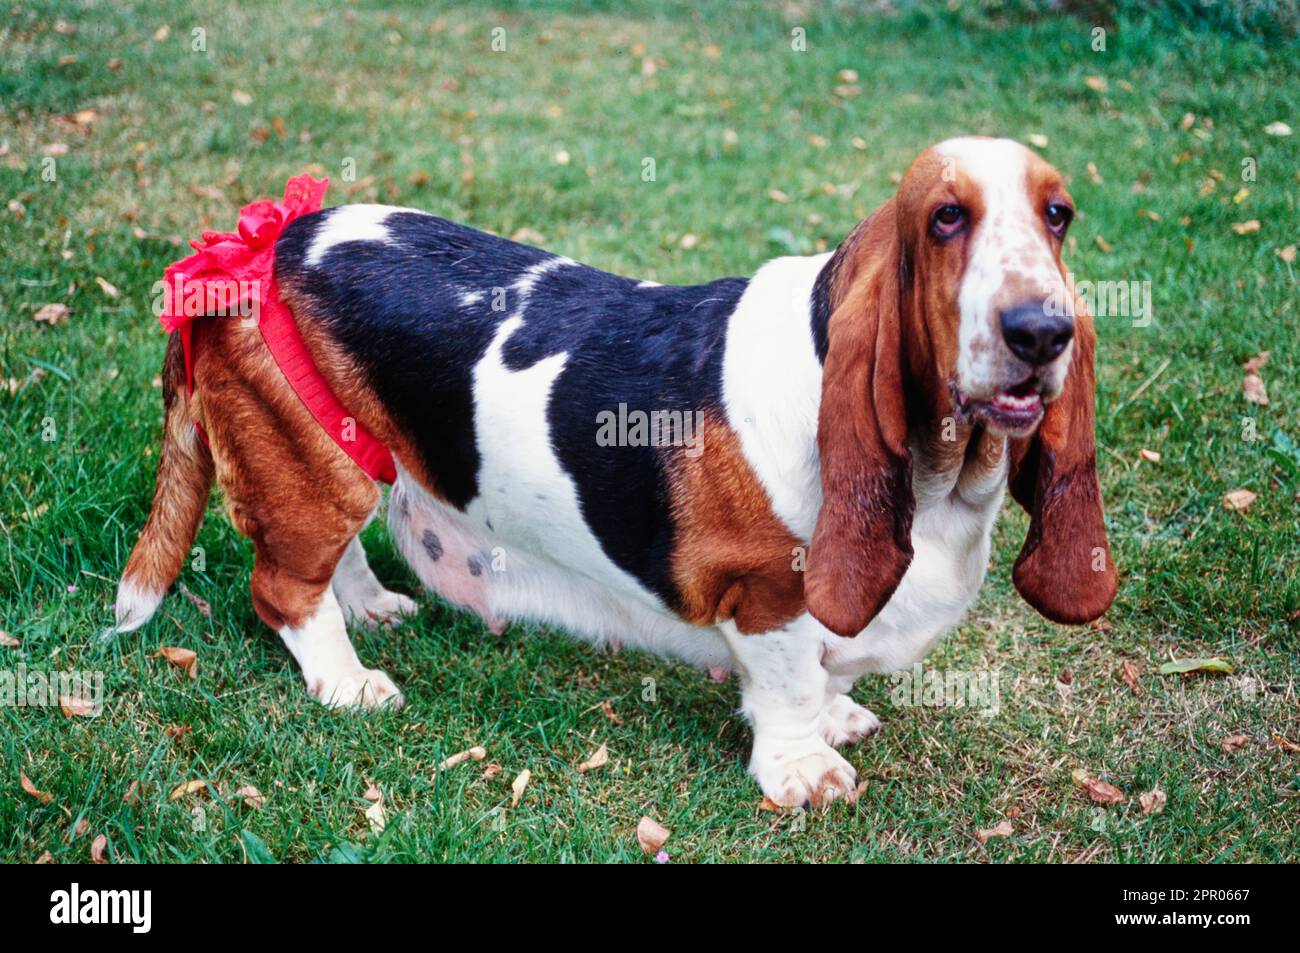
[237, 268]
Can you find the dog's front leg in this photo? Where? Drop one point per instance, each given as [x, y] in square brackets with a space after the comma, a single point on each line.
[784, 692]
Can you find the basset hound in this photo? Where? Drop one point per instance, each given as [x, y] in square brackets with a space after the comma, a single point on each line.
[792, 476]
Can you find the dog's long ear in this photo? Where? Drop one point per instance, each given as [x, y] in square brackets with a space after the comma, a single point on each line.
[1064, 569]
[862, 543]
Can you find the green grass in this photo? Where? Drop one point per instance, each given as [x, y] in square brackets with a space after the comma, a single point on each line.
[727, 116]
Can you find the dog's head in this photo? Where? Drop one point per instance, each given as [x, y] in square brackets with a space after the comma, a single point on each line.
[952, 299]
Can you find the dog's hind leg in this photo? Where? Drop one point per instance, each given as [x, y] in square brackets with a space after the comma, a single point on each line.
[362, 596]
[302, 501]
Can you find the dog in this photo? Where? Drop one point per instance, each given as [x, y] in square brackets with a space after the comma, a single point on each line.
[793, 477]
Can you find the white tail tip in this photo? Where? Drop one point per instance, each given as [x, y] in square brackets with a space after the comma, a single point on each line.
[135, 606]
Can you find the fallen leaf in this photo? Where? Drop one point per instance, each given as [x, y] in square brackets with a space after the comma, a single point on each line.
[1101, 243]
[51, 314]
[375, 817]
[857, 792]
[1239, 500]
[1254, 389]
[1129, 675]
[1037, 140]
[689, 240]
[1280, 742]
[8, 641]
[204, 607]
[651, 835]
[373, 794]
[106, 287]
[73, 707]
[1189, 120]
[1100, 85]
[1253, 365]
[45, 858]
[1153, 802]
[1093, 175]
[1278, 129]
[45, 797]
[129, 796]
[607, 708]
[1182, 666]
[477, 753]
[56, 149]
[492, 772]
[160, 34]
[517, 786]
[181, 658]
[252, 796]
[1099, 791]
[1287, 254]
[99, 850]
[186, 789]
[1151, 456]
[1246, 228]
[1001, 829]
[207, 192]
[599, 758]
[241, 98]
[1234, 742]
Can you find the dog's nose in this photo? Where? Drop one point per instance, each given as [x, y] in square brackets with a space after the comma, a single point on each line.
[1035, 336]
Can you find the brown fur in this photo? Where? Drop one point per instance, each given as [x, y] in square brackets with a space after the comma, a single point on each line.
[733, 558]
[287, 485]
[181, 492]
[862, 542]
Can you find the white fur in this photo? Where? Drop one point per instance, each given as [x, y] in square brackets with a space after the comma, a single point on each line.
[330, 667]
[360, 594]
[351, 223]
[1008, 242]
[134, 606]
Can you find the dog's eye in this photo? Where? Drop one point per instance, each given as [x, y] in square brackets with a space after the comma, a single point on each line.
[947, 220]
[1058, 218]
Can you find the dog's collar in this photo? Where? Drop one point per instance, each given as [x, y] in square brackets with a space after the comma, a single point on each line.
[237, 269]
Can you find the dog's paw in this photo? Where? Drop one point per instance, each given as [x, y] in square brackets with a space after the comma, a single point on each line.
[382, 608]
[845, 722]
[812, 774]
[367, 688]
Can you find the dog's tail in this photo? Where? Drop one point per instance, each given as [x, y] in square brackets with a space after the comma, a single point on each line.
[179, 499]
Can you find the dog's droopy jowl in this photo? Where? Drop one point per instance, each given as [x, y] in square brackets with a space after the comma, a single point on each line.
[854, 420]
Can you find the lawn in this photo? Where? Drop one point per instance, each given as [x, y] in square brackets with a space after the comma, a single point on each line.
[125, 130]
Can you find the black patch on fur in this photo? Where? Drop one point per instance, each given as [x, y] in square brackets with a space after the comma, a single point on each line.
[396, 307]
[432, 544]
[820, 309]
[475, 567]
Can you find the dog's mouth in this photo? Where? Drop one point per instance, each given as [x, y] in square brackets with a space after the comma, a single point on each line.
[1014, 411]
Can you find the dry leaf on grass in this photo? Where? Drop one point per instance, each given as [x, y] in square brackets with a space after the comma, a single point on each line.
[373, 794]
[74, 707]
[1253, 365]
[8, 641]
[186, 789]
[185, 659]
[492, 772]
[1234, 742]
[1102, 244]
[204, 607]
[1153, 802]
[1277, 741]
[99, 850]
[651, 835]
[1151, 456]
[129, 796]
[767, 804]
[1239, 500]
[517, 786]
[375, 817]
[1216, 664]
[476, 753]
[1254, 389]
[106, 287]
[1287, 254]
[1246, 228]
[1099, 791]
[1278, 129]
[252, 797]
[1130, 676]
[45, 797]
[599, 758]
[607, 707]
[51, 314]
[1001, 829]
